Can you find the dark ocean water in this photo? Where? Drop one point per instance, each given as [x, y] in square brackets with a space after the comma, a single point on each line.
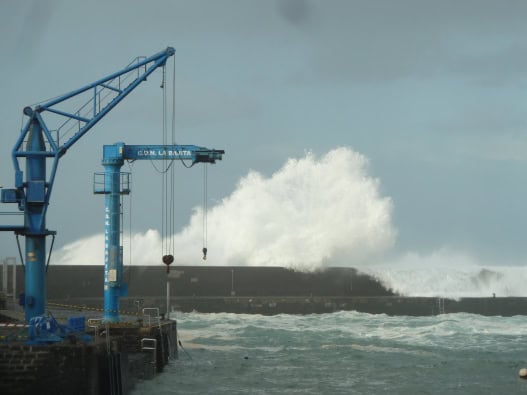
[345, 353]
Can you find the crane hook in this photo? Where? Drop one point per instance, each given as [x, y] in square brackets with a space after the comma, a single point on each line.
[167, 260]
[204, 253]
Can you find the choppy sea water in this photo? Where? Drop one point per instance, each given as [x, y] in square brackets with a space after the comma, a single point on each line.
[345, 353]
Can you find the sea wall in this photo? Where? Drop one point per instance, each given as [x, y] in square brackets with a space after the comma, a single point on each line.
[64, 282]
[257, 290]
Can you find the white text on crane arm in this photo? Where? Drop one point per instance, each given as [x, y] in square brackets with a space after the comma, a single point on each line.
[159, 153]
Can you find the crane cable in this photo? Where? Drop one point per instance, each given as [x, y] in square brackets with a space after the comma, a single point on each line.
[164, 176]
[168, 179]
[163, 181]
[172, 168]
[169, 182]
[129, 163]
[205, 211]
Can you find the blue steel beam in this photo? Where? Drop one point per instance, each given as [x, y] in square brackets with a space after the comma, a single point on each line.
[114, 288]
[171, 152]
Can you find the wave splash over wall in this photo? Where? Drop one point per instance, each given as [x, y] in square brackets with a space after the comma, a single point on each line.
[311, 214]
[448, 273]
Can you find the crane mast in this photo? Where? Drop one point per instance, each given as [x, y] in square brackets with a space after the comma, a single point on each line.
[38, 143]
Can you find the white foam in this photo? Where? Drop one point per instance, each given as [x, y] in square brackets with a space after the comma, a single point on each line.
[447, 273]
[308, 215]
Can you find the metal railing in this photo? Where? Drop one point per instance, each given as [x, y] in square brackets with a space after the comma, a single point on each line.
[151, 316]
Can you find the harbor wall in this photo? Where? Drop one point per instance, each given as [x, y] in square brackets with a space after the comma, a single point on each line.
[257, 290]
[64, 282]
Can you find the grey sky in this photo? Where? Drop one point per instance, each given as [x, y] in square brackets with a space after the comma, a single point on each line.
[434, 93]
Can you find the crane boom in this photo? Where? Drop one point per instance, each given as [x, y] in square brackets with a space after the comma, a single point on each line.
[37, 143]
[155, 152]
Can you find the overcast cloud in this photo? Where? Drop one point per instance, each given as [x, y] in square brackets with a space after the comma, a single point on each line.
[433, 93]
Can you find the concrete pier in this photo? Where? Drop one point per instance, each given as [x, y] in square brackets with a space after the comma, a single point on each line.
[116, 357]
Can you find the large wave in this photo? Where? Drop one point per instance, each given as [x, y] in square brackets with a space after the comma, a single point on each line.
[311, 214]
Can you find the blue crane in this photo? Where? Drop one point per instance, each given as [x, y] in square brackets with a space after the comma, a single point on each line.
[38, 143]
[113, 185]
